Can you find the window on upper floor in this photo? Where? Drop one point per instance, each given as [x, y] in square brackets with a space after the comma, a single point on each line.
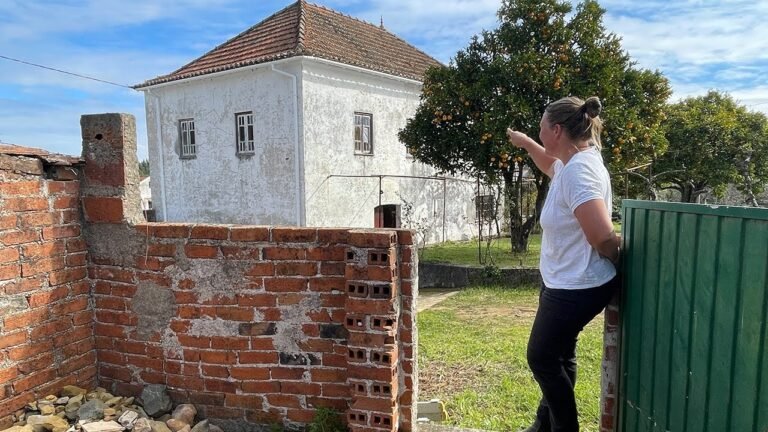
[244, 128]
[187, 138]
[364, 133]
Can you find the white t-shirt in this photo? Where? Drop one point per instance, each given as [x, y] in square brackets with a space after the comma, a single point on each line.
[568, 261]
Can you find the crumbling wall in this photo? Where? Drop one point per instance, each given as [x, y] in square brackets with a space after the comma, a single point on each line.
[46, 338]
[253, 325]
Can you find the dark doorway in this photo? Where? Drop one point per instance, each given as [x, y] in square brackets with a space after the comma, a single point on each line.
[387, 216]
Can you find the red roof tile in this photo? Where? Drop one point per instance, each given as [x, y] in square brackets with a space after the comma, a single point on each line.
[304, 29]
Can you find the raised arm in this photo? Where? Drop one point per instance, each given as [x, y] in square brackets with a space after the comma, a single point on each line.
[542, 160]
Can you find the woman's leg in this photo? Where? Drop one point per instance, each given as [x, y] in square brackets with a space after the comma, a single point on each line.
[561, 316]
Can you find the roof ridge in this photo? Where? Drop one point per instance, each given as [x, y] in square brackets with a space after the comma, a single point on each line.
[374, 26]
[345, 15]
[240, 34]
[301, 27]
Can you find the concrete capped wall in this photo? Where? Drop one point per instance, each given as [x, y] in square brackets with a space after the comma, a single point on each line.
[331, 96]
[217, 185]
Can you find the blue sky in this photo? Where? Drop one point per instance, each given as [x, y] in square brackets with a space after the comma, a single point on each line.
[699, 45]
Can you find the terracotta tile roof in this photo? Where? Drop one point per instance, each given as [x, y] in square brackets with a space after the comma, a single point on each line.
[305, 29]
[44, 155]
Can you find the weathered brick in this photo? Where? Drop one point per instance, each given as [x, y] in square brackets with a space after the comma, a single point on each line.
[59, 187]
[57, 232]
[76, 245]
[244, 401]
[236, 252]
[45, 265]
[35, 219]
[294, 235]
[11, 238]
[372, 239]
[8, 222]
[261, 269]
[9, 271]
[76, 260]
[262, 387]
[250, 373]
[13, 339]
[257, 329]
[327, 253]
[329, 375]
[285, 284]
[284, 253]
[327, 284]
[102, 209]
[28, 350]
[210, 232]
[47, 297]
[25, 204]
[161, 250]
[221, 386]
[285, 401]
[20, 188]
[249, 233]
[299, 268]
[164, 230]
[65, 202]
[201, 251]
[44, 249]
[24, 319]
[256, 299]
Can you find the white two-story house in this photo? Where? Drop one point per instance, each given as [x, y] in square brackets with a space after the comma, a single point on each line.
[294, 122]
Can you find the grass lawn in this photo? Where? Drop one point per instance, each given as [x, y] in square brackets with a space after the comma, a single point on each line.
[472, 356]
[498, 252]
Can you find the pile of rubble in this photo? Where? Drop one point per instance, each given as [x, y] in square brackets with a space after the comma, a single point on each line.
[78, 410]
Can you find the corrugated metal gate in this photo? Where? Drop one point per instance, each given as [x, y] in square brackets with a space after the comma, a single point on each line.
[694, 356]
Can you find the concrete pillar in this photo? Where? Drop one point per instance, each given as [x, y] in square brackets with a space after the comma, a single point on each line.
[110, 187]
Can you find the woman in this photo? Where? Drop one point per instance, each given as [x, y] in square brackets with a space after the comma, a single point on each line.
[579, 249]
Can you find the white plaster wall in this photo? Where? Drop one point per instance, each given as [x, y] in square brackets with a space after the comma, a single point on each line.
[146, 194]
[218, 186]
[331, 95]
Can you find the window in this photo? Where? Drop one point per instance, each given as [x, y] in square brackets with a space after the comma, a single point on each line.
[485, 207]
[245, 143]
[363, 133]
[187, 138]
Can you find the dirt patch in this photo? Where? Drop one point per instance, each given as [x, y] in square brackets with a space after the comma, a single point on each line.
[437, 378]
[521, 313]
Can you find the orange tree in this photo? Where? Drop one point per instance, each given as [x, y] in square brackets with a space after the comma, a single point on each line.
[506, 77]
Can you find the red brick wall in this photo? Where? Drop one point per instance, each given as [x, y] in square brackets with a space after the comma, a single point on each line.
[263, 324]
[46, 337]
[610, 373]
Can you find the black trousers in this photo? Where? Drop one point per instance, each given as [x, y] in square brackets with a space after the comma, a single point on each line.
[561, 316]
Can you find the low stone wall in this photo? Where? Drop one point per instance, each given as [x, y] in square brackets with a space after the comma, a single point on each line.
[437, 275]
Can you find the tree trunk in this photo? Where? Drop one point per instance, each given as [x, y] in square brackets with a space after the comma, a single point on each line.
[520, 231]
[687, 193]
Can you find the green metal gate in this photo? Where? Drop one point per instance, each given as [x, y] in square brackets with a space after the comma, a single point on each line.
[694, 351]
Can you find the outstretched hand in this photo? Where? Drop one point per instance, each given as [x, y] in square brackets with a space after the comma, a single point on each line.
[517, 139]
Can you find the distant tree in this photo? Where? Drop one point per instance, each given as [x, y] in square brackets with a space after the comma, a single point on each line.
[506, 77]
[714, 142]
[144, 168]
